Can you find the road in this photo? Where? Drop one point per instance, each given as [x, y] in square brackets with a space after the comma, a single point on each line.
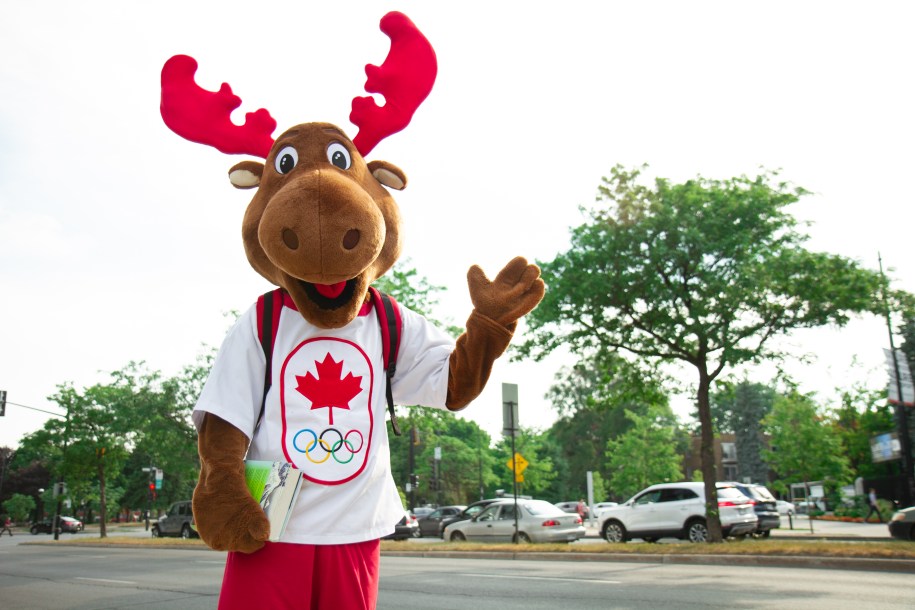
[59, 576]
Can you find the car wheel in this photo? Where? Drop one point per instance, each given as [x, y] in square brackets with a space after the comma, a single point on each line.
[697, 531]
[912, 533]
[155, 531]
[417, 533]
[763, 534]
[614, 532]
[34, 530]
[458, 537]
[185, 531]
[521, 538]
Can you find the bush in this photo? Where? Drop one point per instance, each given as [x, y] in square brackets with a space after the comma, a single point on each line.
[19, 506]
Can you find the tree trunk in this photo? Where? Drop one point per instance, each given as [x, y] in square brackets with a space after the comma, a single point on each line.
[707, 455]
[102, 509]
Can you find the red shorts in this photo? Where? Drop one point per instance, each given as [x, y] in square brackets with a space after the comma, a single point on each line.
[303, 576]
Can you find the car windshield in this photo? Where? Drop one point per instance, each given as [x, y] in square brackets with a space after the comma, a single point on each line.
[542, 508]
[761, 493]
[729, 493]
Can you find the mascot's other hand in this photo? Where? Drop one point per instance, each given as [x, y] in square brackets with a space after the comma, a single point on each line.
[515, 291]
[245, 530]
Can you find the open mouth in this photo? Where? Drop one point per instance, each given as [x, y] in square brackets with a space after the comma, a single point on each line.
[330, 296]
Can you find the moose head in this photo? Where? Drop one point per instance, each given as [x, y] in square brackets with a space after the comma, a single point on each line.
[321, 225]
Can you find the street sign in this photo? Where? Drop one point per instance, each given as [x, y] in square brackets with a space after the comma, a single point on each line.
[158, 478]
[509, 408]
[518, 464]
[519, 478]
[905, 378]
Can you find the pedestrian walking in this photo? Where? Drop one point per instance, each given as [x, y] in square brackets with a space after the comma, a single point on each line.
[872, 503]
[6, 526]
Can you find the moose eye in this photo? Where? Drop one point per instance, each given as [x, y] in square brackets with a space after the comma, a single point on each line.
[338, 155]
[286, 160]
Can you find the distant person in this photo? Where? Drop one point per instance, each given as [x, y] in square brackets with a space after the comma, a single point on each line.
[872, 503]
[582, 510]
[6, 526]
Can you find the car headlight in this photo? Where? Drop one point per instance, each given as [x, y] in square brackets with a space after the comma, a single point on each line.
[900, 516]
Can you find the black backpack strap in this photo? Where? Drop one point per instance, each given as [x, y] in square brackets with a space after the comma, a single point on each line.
[389, 320]
[269, 306]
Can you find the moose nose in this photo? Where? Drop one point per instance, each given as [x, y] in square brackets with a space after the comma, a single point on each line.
[351, 239]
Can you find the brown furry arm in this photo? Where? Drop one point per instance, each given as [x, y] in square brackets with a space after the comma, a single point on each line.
[471, 361]
[227, 517]
[498, 304]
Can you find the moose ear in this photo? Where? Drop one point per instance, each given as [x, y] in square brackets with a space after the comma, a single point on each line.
[388, 174]
[246, 175]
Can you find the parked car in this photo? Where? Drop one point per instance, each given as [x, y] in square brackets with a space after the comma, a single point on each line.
[538, 521]
[602, 506]
[677, 510]
[902, 524]
[178, 521]
[431, 524]
[68, 525]
[407, 527]
[421, 511]
[472, 510]
[764, 504]
[785, 508]
[572, 507]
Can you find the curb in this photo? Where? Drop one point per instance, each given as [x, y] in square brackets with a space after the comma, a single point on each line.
[781, 561]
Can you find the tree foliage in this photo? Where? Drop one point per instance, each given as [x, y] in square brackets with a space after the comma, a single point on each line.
[644, 455]
[739, 408]
[805, 446]
[703, 273]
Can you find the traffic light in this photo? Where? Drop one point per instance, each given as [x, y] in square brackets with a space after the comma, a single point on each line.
[414, 481]
[152, 491]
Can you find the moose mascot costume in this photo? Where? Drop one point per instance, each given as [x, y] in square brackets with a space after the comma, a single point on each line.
[306, 374]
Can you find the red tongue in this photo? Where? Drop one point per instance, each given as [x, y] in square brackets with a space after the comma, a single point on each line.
[331, 291]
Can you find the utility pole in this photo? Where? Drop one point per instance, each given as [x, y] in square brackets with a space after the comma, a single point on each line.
[509, 417]
[902, 416]
[60, 486]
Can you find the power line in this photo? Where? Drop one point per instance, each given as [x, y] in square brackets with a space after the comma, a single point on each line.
[9, 402]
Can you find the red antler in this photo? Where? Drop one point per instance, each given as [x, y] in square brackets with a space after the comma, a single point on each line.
[405, 79]
[203, 116]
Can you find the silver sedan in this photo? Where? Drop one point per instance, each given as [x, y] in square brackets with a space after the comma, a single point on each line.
[538, 521]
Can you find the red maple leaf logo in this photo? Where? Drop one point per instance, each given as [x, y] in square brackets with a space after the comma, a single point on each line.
[328, 390]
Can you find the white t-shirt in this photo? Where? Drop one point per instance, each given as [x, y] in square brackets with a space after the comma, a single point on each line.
[325, 412]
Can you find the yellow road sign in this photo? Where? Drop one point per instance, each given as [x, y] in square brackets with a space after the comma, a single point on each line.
[519, 478]
[518, 464]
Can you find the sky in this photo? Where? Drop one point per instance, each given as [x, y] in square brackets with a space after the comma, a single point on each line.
[120, 241]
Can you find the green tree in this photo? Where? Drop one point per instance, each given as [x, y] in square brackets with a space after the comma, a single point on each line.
[644, 455]
[805, 445]
[863, 414]
[740, 409]
[592, 398]
[703, 273]
[19, 507]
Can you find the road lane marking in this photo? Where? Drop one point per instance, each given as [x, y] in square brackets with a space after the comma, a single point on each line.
[549, 578]
[108, 580]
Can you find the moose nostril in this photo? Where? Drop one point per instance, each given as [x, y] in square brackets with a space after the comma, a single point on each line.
[351, 239]
[290, 239]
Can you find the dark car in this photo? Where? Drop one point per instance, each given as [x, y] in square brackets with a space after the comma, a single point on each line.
[765, 505]
[902, 524]
[470, 512]
[431, 524]
[178, 521]
[407, 527]
[67, 525]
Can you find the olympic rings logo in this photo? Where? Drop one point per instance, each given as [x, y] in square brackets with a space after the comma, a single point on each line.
[343, 444]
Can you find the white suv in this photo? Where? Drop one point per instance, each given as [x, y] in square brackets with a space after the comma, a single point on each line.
[676, 510]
